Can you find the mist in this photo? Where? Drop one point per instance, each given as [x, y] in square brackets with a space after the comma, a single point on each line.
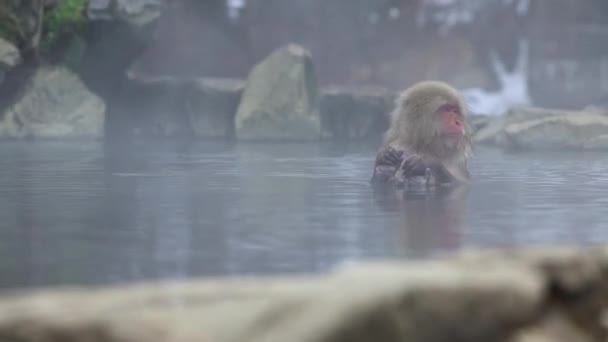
[270, 170]
[472, 44]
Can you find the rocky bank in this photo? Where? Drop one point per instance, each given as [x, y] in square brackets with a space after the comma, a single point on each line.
[106, 93]
[170, 108]
[536, 294]
[532, 128]
[55, 104]
[279, 101]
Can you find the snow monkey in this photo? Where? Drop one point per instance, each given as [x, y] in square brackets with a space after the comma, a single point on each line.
[428, 139]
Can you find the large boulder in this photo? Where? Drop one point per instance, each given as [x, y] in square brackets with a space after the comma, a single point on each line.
[9, 58]
[170, 107]
[55, 104]
[355, 113]
[281, 99]
[540, 294]
[537, 128]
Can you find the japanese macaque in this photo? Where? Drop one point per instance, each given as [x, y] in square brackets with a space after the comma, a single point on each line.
[428, 140]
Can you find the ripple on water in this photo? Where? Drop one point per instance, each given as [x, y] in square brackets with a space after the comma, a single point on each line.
[85, 214]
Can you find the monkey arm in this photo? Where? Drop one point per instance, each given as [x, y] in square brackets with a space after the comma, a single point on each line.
[417, 166]
[414, 166]
[396, 166]
[386, 165]
[433, 170]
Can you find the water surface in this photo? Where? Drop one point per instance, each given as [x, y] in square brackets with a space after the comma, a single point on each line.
[89, 213]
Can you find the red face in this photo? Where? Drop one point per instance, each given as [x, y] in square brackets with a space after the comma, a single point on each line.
[451, 121]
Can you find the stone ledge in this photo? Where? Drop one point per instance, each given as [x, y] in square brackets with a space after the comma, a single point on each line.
[355, 113]
[536, 294]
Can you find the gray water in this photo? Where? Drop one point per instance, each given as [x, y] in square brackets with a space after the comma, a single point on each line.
[88, 213]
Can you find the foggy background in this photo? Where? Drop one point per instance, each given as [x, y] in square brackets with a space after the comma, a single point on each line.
[550, 53]
[107, 209]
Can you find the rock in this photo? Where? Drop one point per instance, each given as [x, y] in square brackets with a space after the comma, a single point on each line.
[577, 285]
[597, 143]
[568, 270]
[432, 302]
[425, 301]
[9, 54]
[526, 113]
[9, 58]
[531, 295]
[603, 109]
[477, 122]
[172, 107]
[571, 131]
[134, 12]
[490, 132]
[355, 113]
[118, 32]
[56, 104]
[555, 327]
[212, 105]
[281, 99]
[535, 128]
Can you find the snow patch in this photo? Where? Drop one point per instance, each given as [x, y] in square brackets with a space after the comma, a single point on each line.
[513, 87]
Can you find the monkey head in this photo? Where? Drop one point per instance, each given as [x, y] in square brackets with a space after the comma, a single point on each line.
[430, 119]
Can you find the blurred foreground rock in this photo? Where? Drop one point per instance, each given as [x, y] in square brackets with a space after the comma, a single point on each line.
[281, 99]
[538, 128]
[542, 294]
[171, 107]
[355, 113]
[55, 104]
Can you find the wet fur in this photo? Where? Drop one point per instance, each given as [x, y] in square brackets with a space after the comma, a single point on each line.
[412, 129]
[412, 126]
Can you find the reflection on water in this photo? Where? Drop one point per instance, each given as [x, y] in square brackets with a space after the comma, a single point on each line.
[87, 213]
[430, 220]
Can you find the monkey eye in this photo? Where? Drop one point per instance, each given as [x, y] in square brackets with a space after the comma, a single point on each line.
[450, 108]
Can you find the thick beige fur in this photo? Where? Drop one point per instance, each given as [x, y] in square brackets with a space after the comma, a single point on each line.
[412, 122]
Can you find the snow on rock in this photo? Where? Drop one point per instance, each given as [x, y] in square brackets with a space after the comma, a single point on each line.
[513, 87]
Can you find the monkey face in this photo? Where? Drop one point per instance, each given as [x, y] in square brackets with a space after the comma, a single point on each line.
[429, 119]
[449, 124]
